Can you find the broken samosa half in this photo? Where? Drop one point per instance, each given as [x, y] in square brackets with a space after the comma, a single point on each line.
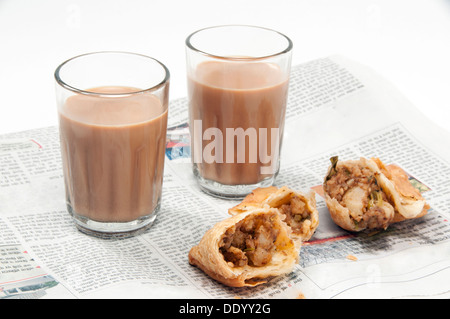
[367, 194]
[298, 210]
[246, 249]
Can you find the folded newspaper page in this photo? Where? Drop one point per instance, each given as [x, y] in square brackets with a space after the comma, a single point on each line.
[336, 107]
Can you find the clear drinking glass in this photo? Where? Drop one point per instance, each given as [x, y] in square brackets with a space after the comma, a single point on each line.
[237, 79]
[112, 109]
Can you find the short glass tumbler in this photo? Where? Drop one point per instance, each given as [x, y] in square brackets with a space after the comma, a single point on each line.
[238, 78]
[112, 109]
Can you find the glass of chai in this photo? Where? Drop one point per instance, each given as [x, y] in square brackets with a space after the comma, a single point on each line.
[112, 109]
[237, 79]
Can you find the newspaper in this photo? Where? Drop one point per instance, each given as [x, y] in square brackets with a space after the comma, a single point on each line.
[335, 107]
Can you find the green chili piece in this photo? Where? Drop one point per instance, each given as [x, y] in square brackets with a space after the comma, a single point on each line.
[333, 170]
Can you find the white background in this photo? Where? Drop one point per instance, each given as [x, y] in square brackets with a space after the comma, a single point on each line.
[406, 41]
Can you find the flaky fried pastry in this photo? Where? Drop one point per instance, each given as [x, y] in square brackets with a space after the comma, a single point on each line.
[367, 194]
[246, 249]
[298, 210]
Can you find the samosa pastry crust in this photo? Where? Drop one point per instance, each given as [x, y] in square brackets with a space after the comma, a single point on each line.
[246, 249]
[298, 209]
[366, 194]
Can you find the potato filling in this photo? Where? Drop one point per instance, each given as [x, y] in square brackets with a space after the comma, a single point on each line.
[250, 242]
[356, 188]
[296, 213]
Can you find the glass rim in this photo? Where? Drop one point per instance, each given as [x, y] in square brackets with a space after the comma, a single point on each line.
[233, 58]
[85, 92]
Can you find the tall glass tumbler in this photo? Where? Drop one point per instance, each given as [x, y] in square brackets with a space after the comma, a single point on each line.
[112, 109]
[237, 79]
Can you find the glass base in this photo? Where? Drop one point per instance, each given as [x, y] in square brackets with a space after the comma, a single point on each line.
[113, 229]
[225, 191]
